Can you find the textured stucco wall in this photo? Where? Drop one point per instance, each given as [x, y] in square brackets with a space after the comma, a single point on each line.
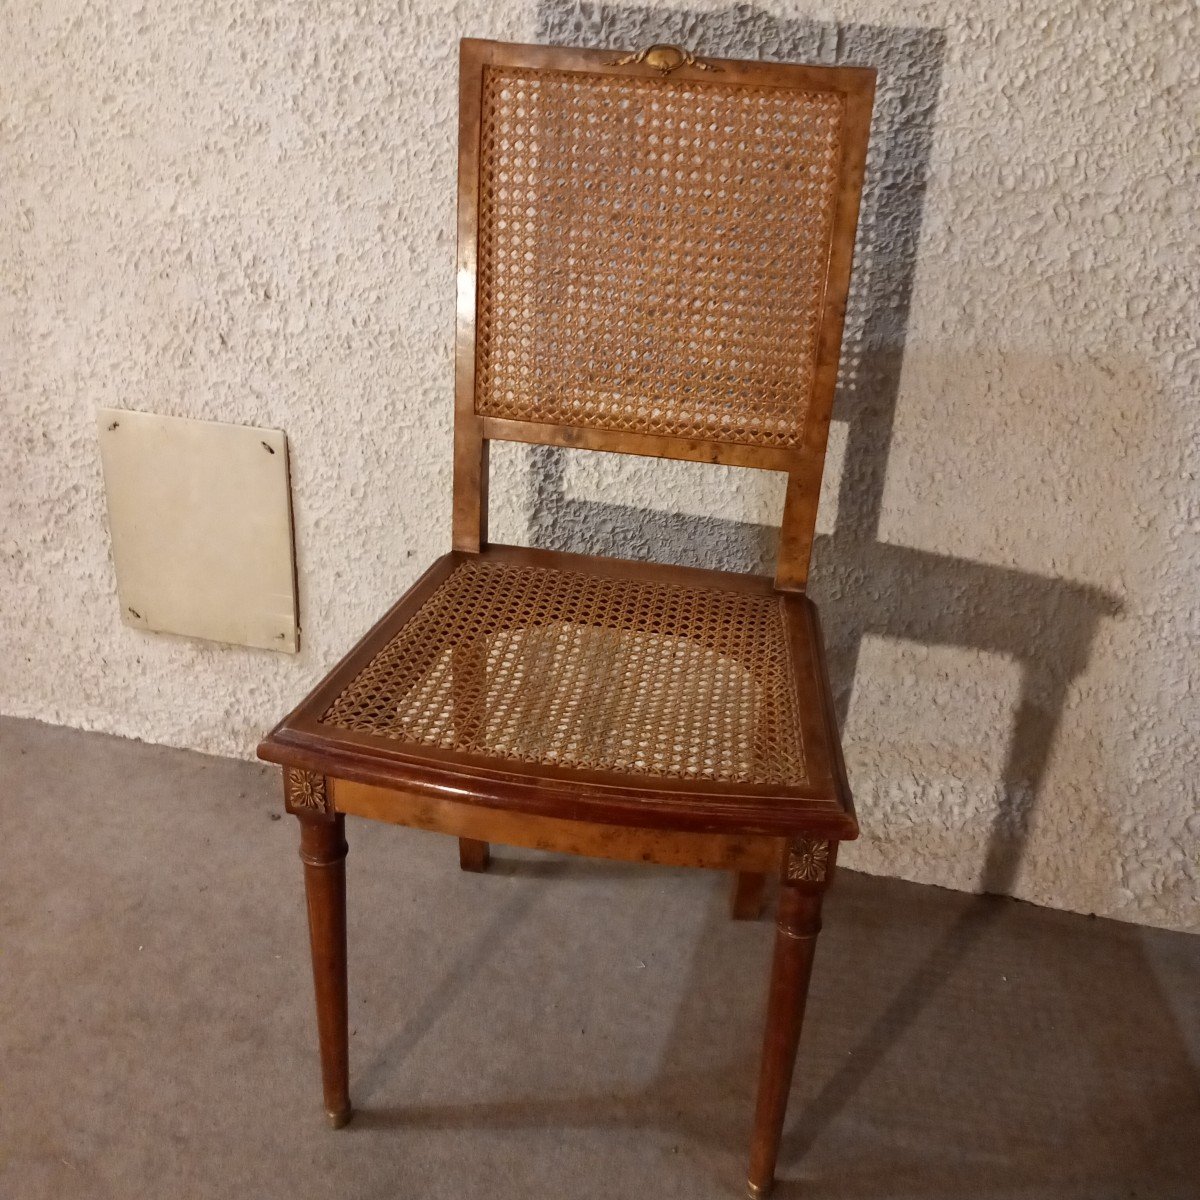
[244, 211]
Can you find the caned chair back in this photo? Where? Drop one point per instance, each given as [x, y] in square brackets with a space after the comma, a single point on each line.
[654, 258]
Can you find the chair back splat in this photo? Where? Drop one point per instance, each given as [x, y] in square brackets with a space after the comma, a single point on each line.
[654, 258]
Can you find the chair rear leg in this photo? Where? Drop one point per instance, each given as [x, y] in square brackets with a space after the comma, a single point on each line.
[747, 896]
[473, 855]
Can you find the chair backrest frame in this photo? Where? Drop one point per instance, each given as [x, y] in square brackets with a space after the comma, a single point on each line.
[803, 461]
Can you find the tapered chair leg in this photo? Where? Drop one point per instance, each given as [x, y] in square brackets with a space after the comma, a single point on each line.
[323, 852]
[747, 895]
[797, 925]
[473, 855]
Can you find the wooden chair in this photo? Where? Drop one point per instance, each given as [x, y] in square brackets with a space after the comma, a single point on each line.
[653, 258]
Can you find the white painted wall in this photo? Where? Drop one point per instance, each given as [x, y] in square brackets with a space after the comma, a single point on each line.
[244, 211]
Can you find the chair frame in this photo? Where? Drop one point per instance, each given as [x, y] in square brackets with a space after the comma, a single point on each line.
[753, 833]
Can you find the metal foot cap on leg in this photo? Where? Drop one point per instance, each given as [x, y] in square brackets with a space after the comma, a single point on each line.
[759, 1191]
[338, 1120]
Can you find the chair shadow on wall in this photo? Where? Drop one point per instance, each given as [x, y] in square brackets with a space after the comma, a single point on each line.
[1046, 625]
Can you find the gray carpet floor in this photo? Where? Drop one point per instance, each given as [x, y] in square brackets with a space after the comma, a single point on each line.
[553, 1028]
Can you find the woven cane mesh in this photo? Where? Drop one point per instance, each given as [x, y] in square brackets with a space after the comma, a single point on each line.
[572, 670]
[652, 253]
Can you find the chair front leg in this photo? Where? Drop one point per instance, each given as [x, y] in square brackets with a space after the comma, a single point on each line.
[807, 868]
[323, 853]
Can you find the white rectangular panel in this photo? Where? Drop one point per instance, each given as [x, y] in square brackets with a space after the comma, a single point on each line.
[201, 524]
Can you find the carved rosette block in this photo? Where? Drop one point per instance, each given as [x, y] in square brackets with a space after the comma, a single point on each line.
[807, 861]
[306, 792]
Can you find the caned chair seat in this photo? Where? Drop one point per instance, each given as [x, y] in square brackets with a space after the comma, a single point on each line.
[691, 696]
[654, 257]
